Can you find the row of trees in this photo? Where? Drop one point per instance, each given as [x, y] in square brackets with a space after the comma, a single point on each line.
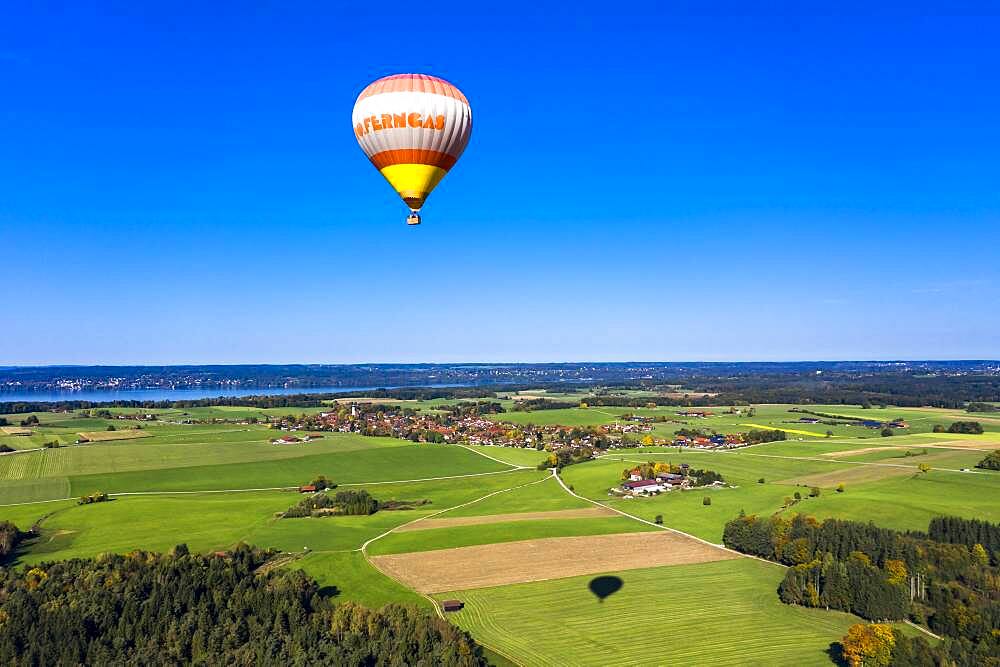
[943, 578]
[757, 436]
[176, 609]
[972, 428]
[532, 404]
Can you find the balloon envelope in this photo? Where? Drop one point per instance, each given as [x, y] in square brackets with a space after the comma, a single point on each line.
[413, 128]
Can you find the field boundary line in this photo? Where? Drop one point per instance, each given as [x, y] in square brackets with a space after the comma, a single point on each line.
[922, 629]
[364, 547]
[434, 603]
[514, 465]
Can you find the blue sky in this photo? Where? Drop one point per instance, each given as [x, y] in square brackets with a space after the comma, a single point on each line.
[181, 186]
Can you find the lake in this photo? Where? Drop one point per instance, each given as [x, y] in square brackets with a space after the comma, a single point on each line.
[159, 394]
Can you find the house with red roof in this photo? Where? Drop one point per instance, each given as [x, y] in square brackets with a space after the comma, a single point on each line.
[642, 487]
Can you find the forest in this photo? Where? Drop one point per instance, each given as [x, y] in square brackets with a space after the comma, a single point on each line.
[146, 608]
[946, 578]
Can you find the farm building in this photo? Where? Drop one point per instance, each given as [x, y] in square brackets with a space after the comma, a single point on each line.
[671, 479]
[285, 440]
[635, 475]
[452, 605]
[642, 487]
[308, 488]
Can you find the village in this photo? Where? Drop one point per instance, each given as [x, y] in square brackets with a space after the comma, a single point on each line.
[464, 424]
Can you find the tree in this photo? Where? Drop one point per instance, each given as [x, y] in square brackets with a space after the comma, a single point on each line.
[659, 520]
[840, 488]
[814, 492]
[706, 500]
[760, 481]
[868, 645]
[973, 428]
[829, 434]
[798, 496]
[895, 570]
[924, 468]
[991, 461]
[979, 553]
[887, 432]
[647, 440]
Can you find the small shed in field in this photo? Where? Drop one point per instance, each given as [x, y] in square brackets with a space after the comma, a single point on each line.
[452, 605]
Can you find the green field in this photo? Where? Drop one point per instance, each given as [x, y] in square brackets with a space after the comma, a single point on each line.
[495, 533]
[215, 521]
[901, 498]
[722, 613]
[213, 485]
[764, 416]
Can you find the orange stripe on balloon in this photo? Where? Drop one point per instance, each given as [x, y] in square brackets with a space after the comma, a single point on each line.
[412, 83]
[413, 156]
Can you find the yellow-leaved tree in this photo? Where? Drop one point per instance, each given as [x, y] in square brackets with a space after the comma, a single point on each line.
[868, 645]
[896, 571]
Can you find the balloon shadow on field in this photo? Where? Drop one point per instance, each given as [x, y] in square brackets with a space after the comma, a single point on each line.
[604, 586]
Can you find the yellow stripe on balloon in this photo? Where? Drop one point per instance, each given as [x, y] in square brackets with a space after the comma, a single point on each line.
[413, 182]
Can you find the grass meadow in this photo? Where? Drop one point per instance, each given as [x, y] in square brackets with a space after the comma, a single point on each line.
[721, 613]
[182, 478]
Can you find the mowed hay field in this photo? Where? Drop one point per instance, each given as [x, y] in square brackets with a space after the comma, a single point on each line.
[127, 434]
[538, 560]
[717, 613]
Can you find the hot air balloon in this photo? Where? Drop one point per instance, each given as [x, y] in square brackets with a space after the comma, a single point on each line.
[413, 128]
